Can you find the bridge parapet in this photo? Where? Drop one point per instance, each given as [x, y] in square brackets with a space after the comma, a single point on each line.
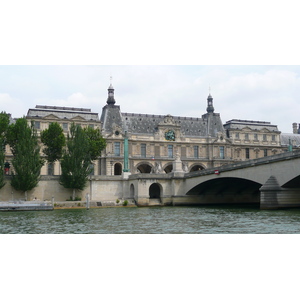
[247, 164]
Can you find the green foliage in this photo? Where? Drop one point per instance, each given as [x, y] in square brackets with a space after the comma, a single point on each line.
[96, 142]
[54, 140]
[75, 199]
[125, 203]
[26, 160]
[4, 122]
[82, 147]
[76, 160]
[117, 201]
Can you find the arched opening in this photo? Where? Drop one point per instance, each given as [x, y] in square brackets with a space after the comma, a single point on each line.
[117, 169]
[228, 190]
[169, 168]
[154, 191]
[132, 191]
[144, 168]
[50, 169]
[196, 168]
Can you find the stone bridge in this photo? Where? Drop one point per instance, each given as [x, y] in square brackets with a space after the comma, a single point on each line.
[271, 182]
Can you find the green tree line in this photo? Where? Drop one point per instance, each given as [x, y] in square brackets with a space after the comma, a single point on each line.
[76, 152]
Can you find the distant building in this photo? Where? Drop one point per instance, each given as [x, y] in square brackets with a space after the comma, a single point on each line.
[155, 141]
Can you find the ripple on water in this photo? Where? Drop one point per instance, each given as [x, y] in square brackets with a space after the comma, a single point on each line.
[152, 220]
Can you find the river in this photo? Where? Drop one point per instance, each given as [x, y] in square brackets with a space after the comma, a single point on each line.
[153, 220]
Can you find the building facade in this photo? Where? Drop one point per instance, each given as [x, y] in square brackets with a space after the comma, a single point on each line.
[155, 141]
[203, 142]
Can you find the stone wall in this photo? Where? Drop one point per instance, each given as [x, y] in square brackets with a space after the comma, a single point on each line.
[102, 188]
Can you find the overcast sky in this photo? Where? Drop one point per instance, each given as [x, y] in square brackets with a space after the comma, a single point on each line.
[264, 93]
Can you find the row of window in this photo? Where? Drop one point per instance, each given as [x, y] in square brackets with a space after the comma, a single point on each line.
[117, 151]
[65, 126]
[255, 136]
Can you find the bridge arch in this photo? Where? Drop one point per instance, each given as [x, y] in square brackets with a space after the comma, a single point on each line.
[227, 190]
[293, 183]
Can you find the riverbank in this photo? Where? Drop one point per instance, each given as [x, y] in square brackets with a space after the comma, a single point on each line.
[92, 204]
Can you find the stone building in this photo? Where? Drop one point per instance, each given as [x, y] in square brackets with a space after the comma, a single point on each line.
[203, 142]
[155, 141]
[43, 115]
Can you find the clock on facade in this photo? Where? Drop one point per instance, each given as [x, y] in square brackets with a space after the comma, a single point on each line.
[170, 135]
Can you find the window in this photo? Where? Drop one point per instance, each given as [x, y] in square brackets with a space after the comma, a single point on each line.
[196, 151]
[265, 152]
[247, 153]
[91, 126]
[157, 151]
[222, 152]
[65, 126]
[117, 149]
[170, 151]
[273, 137]
[246, 136]
[143, 150]
[255, 136]
[264, 137]
[237, 135]
[37, 125]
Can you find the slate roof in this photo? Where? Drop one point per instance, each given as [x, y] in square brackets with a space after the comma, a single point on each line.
[41, 111]
[148, 123]
[253, 125]
[295, 139]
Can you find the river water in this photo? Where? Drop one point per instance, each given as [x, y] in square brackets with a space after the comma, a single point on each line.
[153, 220]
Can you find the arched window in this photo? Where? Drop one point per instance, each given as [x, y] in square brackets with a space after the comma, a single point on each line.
[169, 168]
[131, 191]
[50, 169]
[144, 168]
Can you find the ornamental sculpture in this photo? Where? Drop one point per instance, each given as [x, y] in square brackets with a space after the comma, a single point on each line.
[170, 135]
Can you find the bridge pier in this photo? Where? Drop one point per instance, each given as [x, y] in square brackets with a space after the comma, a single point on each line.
[272, 196]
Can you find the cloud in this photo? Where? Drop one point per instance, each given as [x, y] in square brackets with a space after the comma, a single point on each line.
[10, 104]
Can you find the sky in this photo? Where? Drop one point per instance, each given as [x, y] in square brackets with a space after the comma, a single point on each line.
[164, 56]
[248, 92]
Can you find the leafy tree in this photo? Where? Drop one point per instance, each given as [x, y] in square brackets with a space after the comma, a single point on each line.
[96, 142]
[26, 161]
[54, 140]
[82, 147]
[4, 122]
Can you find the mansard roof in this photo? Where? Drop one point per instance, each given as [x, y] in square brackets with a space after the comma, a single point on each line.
[69, 113]
[236, 124]
[286, 138]
[189, 126]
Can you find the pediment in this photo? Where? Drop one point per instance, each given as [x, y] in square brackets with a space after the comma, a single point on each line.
[77, 118]
[247, 129]
[51, 117]
[265, 130]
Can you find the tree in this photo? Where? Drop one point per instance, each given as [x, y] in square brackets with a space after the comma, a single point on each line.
[54, 140]
[4, 122]
[27, 162]
[82, 147]
[96, 142]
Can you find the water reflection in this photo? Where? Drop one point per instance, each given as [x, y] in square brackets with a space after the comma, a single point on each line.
[153, 220]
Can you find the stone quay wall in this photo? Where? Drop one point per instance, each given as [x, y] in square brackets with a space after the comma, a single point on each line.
[100, 188]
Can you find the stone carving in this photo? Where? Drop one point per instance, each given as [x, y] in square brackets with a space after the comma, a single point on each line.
[170, 135]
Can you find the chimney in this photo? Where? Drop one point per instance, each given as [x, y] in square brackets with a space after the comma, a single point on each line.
[295, 129]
